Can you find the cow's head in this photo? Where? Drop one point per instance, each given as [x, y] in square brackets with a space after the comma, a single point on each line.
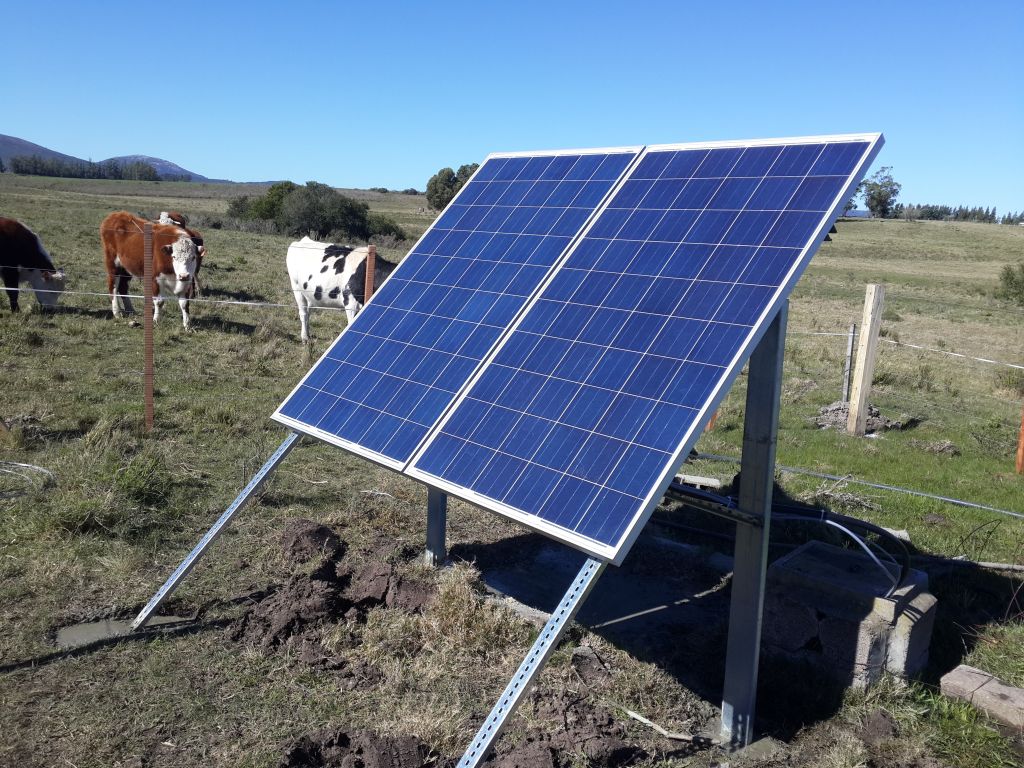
[184, 257]
[47, 283]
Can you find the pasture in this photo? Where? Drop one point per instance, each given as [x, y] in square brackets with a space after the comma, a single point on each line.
[121, 508]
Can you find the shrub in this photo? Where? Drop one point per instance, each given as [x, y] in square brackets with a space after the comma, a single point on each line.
[318, 210]
[1011, 284]
[1012, 380]
[382, 225]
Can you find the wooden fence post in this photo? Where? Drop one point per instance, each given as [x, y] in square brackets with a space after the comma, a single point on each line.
[147, 324]
[866, 350]
[371, 269]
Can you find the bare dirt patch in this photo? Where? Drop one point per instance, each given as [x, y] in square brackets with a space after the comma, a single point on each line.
[302, 540]
[835, 416]
[570, 728]
[336, 748]
[324, 587]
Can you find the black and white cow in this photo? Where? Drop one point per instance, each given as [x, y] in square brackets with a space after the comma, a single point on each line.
[23, 258]
[329, 275]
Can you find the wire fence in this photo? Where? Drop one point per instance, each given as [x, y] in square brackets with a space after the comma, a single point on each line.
[263, 304]
[174, 382]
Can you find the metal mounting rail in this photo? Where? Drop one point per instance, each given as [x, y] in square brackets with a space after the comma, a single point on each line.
[211, 535]
[680, 493]
[533, 663]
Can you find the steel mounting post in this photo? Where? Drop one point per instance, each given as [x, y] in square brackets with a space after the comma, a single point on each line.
[757, 477]
[437, 520]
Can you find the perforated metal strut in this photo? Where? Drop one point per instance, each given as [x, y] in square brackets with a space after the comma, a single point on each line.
[211, 535]
[533, 663]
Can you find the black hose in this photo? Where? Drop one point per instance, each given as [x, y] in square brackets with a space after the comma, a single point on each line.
[817, 514]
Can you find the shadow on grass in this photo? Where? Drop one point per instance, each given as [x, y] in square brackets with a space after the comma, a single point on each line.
[95, 314]
[144, 634]
[668, 611]
[225, 295]
[187, 626]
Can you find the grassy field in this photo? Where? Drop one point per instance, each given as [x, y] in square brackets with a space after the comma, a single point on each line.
[120, 508]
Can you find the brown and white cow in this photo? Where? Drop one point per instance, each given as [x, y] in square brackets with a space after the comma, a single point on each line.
[329, 275]
[175, 260]
[174, 217]
[23, 258]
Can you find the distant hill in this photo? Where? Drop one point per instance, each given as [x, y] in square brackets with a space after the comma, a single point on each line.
[12, 146]
[165, 168]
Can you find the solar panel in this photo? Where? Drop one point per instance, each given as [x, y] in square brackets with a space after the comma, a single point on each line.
[389, 376]
[578, 421]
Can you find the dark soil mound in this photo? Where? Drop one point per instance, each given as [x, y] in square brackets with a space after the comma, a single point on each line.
[300, 604]
[377, 583]
[302, 540]
[583, 728]
[334, 748]
[335, 589]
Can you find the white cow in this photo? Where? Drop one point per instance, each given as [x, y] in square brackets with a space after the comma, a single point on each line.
[330, 275]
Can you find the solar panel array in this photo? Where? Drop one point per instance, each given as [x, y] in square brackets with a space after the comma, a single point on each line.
[584, 407]
[386, 380]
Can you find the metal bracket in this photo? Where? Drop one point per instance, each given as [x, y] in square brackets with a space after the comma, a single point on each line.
[218, 528]
[532, 664]
[736, 515]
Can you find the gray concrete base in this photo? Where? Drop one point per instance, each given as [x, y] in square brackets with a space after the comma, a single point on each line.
[991, 695]
[828, 606]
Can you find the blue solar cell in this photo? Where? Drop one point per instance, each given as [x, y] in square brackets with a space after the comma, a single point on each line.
[385, 381]
[592, 396]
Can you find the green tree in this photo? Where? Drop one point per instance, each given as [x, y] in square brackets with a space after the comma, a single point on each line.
[441, 188]
[880, 192]
[318, 210]
[271, 203]
[444, 184]
[240, 207]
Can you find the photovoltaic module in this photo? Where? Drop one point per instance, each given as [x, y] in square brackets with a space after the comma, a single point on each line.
[553, 345]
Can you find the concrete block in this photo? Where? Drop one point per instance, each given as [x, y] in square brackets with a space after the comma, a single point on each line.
[792, 625]
[833, 607]
[1001, 702]
[991, 695]
[911, 635]
[962, 682]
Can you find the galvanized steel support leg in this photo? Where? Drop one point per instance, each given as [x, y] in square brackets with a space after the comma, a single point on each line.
[218, 528]
[437, 520]
[532, 664]
[757, 475]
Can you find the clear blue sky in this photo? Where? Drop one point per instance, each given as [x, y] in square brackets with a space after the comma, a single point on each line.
[386, 93]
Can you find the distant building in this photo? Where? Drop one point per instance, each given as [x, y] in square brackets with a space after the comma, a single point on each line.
[856, 214]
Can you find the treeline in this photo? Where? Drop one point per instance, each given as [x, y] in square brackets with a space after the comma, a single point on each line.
[35, 165]
[960, 213]
[315, 209]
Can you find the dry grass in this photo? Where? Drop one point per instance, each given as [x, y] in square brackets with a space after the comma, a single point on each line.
[126, 507]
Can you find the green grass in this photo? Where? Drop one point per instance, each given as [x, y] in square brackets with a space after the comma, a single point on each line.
[125, 505]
